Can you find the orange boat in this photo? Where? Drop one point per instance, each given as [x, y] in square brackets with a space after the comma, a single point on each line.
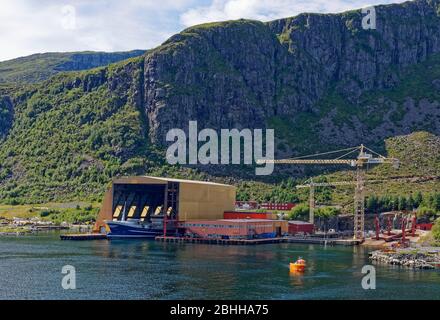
[298, 266]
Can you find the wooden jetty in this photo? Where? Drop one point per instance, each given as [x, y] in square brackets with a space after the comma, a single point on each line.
[311, 240]
[219, 241]
[324, 241]
[83, 236]
[50, 227]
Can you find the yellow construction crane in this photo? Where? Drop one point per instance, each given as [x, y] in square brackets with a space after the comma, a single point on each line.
[365, 157]
[312, 185]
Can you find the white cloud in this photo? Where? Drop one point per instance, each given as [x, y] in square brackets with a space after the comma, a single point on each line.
[266, 10]
[33, 26]
[68, 20]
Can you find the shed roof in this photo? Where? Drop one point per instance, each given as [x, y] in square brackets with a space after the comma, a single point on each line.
[161, 180]
[299, 222]
[233, 221]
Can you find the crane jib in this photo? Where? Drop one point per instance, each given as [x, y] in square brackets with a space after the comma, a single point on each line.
[365, 157]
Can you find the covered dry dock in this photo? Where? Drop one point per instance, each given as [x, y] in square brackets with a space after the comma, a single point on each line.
[144, 197]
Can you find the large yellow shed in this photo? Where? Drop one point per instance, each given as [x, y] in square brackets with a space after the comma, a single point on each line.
[143, 196]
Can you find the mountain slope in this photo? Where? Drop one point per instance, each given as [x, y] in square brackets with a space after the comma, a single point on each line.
[246, 73]
[419, 153]
[71, 131]
[39, 67]
[321, 81]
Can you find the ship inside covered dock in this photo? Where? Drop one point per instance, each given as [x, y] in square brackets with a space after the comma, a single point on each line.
[148, 206]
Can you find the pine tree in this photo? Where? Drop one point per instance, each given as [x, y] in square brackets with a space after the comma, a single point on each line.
[402, 203]
[395, 203]
[436, 202]
[410, 204]
[372, 204]
[418, 199]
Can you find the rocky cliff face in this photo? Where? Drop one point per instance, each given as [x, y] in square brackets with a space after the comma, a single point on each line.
[341, 50]
[90, 60]
[320, 81]
[38, 67]
[323, 76]
[243, 73]
[222, 76]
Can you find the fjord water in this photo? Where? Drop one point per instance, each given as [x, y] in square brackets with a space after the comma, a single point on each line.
[30, 268]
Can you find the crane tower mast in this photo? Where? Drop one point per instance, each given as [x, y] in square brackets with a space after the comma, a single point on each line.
[365, 157]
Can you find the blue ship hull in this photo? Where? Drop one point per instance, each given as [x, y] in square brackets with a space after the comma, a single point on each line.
[124, 230]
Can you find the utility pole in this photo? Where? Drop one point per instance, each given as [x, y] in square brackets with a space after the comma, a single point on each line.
[312, 202]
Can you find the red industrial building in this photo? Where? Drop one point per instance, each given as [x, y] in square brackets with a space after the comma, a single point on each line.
[301, 227]
[424, 226]
[246, 205]
[247, 215]
[235, 228]
[277, 206]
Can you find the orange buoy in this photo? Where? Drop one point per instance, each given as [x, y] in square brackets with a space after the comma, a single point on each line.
[298, 266]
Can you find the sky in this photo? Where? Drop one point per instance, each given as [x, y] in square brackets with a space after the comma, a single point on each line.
[37, 26]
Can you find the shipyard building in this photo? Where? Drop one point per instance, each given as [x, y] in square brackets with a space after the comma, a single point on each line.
[142, 198]
[147, 207]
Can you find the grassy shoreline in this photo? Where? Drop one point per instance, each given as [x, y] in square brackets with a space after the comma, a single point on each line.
[70, 212]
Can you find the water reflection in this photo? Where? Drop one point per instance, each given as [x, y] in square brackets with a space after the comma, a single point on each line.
[149, 270]
[296, 278]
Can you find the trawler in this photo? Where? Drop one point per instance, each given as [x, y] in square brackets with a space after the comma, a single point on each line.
[140, 206]
[141, 228]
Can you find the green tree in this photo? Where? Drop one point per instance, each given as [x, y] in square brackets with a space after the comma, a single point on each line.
[425, 212]
[418, 199]
[402, 203]
[372, 204]
[436, 230]
[299, 212]
[436, 202]
[327, 212]
[394, 204]
[410, 204]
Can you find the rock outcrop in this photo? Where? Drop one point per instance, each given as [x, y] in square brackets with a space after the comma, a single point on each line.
[322, 76]
[242, 73]
[411, 258]
[320, 80]
[41, 66]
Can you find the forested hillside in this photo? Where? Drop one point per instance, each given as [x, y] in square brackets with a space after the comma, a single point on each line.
[321, 81]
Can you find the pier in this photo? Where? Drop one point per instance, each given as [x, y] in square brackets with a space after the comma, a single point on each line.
[83, 236]
[50, 227]
[324, 241]
[321, 241]
[219, 241]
